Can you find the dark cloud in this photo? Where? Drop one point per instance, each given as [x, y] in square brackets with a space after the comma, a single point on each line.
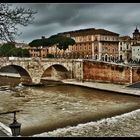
[53, 18]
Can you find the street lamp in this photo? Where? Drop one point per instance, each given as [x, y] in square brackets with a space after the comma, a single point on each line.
[15, 126]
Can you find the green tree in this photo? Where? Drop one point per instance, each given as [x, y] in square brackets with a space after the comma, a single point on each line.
[40, 42]
[5, 49]
[19, 52]
[9, 49]
[61, 41]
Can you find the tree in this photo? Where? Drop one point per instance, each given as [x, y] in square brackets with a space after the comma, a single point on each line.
[19, 52]
[61, 41]
[36, 43]
[10, 18]
[5, 49]
[40, 42]
[9, 49]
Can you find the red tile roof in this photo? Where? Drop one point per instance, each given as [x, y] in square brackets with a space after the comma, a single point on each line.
[90, 31]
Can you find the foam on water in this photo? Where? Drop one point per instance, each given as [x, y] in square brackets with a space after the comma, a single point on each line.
[121, 125]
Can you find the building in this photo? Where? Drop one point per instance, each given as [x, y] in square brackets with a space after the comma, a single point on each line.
[129, 47]
[39, 51]
[22, 45]
[136, 52]
[97, 44]
[125, 50]
[136, 35]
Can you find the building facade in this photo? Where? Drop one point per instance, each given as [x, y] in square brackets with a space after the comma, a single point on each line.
[97, 44]
[136, 52]
[38, 51]
[125, 49]
[129, 47]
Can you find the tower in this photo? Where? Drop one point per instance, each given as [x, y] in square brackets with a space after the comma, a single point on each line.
[136, 34]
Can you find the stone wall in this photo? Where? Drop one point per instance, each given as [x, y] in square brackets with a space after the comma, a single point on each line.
[136, 74]
[105, 72]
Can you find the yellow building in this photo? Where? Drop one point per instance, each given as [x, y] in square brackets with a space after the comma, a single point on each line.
[38, 52]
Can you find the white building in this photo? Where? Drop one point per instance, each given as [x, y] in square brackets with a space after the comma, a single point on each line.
[136, 52]
[125, 43]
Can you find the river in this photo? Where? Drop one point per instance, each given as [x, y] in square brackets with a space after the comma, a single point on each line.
[57, 105]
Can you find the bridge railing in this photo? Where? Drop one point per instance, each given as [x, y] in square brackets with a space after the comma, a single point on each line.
[19, 58]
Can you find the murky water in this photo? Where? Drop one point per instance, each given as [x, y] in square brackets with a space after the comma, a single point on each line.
[55, 105]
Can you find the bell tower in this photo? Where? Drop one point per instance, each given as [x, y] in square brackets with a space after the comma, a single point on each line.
[136, 34]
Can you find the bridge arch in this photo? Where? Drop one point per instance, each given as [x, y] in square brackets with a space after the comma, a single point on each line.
[25, 76]
[55, 72]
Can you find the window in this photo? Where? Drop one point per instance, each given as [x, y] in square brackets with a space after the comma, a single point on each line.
[127, 47]
[89, 37]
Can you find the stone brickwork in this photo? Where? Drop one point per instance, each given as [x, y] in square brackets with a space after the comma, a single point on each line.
[31, 70]
[136, 74]
[107, 72]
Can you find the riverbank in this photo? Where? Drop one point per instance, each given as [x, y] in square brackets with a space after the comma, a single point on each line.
[119, 88]
[123, 89]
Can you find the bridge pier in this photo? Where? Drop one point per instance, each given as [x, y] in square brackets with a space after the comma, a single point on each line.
[35, 81]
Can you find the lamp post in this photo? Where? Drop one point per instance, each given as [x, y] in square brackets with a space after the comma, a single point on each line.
[15, 126]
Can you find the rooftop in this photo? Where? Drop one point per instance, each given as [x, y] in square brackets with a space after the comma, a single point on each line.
[125, 38]
[90, 31]
[137, 44]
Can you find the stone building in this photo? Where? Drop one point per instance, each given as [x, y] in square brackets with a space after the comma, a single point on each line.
[38, 51]
[125, 50]
[136, 52]
[136, 35]
[129, 47]
[97, 44]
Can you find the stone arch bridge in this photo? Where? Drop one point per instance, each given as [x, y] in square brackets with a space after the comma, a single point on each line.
[32, 70]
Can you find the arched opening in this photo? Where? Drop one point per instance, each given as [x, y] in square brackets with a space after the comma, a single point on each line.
[96, 57]
[102, 58]
[121, 58]
[55, 72]
[106, 57]
[16, 72]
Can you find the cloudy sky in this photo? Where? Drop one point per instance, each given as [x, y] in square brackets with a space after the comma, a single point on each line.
[52, 18]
